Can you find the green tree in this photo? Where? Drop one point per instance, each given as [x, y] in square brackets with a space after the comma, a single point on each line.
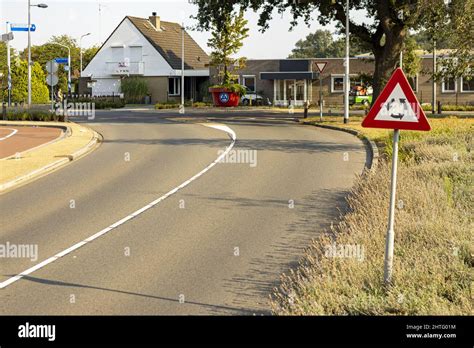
[385, 32]
[39, 89]
[321, 44]
[50, 50]
[227, 37]
[411, 57]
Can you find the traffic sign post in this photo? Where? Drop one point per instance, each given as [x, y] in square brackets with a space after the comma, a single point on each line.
[320, 66]
[396, 108]
[52, 78]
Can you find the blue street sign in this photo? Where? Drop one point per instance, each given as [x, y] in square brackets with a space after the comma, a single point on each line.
[22, 27]
[61, 60]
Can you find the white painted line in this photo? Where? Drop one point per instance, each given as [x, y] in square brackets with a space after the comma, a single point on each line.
[76, 246]
[9, 135]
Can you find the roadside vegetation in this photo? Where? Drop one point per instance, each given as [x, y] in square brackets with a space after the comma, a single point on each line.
[433, 265]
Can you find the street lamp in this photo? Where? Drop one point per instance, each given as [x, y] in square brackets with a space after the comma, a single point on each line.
[346, 75]
[182, 65]
[68, 63]
[29, 46]
[80, 51]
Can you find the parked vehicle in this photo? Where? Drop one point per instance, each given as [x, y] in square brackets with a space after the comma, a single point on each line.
[252, 98]
[360, 95]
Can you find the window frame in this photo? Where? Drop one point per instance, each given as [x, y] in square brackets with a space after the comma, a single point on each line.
[176, 85]
[254, 77]
[462, 82]
[443, 86]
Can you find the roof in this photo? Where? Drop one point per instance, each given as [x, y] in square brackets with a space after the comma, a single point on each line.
[167, 42]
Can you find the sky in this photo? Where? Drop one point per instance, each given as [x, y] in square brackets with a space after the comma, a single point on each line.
[76, 18]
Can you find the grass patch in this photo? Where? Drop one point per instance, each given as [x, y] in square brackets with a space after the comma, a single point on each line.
[433, 264]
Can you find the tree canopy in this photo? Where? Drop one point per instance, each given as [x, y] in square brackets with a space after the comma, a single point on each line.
[384, 33]
[321, 44]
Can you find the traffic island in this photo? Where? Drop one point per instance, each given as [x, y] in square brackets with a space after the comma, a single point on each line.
[24, 167]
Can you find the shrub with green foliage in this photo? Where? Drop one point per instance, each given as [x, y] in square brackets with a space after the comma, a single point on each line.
[134, 88]
[32, 115]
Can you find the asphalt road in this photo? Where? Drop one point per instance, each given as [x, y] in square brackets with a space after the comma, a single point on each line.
[217, 246]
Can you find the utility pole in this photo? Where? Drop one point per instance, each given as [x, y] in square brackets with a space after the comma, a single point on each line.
[80, 51]
[29, 54]
[29, 47]
[346, 75]
[182, 64]
[9, 77]
[433, 100]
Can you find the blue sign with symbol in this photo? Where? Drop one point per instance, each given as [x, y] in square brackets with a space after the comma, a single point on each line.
[224, 97]
[61, 60]
[22, 27]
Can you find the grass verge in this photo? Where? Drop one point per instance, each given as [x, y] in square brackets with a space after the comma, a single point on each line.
[433, 264]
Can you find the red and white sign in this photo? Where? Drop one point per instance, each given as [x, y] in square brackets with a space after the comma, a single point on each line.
[320, 66]
[397, 107]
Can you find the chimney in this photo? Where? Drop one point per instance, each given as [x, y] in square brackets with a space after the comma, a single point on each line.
[155, 20]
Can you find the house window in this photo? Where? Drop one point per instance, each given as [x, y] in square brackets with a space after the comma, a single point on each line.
[413, 81]
[337, 83]
[117, 54]
[249, 82]
[174, 86]
[467, 86]
[448, 85]
[135, 54]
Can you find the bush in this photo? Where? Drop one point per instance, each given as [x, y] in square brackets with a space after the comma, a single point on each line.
[166, 105]
[134, 89]
[108, 104]
[450, 107]
[30, 116]
[233, 87]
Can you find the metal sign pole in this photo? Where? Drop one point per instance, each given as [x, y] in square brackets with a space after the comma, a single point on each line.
[320, 98]
[388, 264]
[9, 70]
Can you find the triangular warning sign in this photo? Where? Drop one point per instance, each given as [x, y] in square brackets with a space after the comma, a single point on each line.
[321, 66]
[397, 107]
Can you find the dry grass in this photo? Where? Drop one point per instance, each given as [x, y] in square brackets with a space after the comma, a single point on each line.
[433, 265]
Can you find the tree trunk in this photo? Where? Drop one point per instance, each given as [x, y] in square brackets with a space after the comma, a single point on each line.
[387, 59]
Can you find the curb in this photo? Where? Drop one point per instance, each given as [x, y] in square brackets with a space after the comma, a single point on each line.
[37, 173]
[374, 150]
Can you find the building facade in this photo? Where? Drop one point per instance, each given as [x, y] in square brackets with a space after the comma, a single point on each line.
[152, 49]
[293, 81]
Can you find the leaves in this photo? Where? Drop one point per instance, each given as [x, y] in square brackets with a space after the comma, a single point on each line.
[228, 32]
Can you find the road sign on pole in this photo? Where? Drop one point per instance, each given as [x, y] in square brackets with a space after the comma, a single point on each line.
[320, 66]
[396, 108]
[61, 60]
[52, 78]
[22, 27]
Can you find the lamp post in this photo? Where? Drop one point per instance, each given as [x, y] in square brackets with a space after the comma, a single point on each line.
[346, 75]
[29, 46]
[68, 63]
[80, 51]
[182, 65]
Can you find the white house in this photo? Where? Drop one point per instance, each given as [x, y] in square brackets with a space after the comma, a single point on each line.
[150, 48]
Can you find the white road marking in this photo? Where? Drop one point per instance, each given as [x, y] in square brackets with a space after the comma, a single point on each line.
[76, 246]
[9, 135]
